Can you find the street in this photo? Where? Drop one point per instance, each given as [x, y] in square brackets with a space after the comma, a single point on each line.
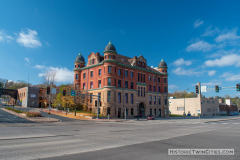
[116, 139]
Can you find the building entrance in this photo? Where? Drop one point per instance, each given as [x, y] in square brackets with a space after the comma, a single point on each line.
[141, 110]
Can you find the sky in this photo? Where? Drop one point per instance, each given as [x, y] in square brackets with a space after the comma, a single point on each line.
[199, 40]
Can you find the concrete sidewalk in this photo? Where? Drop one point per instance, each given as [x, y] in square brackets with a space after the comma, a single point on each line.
[34, 119]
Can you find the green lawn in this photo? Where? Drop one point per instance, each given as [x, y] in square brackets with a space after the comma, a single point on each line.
[14, 110]
[176, 115]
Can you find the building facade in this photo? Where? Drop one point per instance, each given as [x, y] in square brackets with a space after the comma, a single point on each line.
[29, 96]
[204, 106]
[122, 83]
[227, 107]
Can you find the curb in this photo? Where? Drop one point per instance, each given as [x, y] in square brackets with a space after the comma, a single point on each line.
[222, 120]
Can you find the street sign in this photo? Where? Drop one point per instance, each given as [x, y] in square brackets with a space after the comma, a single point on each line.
[72, 92]
[53, 90]
[198, 111]
[203, 88]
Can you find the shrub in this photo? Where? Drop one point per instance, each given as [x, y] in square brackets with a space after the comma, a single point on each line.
[34, 113]
[14, 110]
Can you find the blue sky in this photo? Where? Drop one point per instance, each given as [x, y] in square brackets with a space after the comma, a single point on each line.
[199, 40]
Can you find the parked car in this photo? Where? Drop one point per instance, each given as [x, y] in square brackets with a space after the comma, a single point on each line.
[230, 114]
[150, 117]
[188, 114]
[237, 113]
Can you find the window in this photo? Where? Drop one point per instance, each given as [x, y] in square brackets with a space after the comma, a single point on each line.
[141, 77]
[84, 75]
[149, 78]
[126, 111]
[131, 111]
[158, 79]
[165, 89]
[83, 86]
[119, 97]
[158, 88]
[99, 84]
[91, 85]
[165, 100]
[109, 57]
[126, 84]
[154, 88]
[75, 66]
[154, 99]
[109, 81]
[119, 83]
[180, 108]
[126, 73]
[212, 102]
[138, 91]
[131, 98]
[109, 69]
[93, 61]
[155, 112]
[153, 79]
[105, 57]
[119, 72]
[78, 66]
[141, 91]
[113, 57]
[150, 88]
[76, 76]
[138, 63]
[150, 111]
[100, 72]
[138, 77]
[165, 80]
[163, 70]
[131, 74]
[144, 78]
[76, 86]
[209, 109]
[90, 61]
[165, 111]
[144, 92]
[91, 73]
[90, 97]
[159, 100]
[126, 97]
[143, 65]
[131, 85]
[150, 99]
[108, 96]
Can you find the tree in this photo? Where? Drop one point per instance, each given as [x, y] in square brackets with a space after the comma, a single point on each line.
[182, 94]
[67, 99]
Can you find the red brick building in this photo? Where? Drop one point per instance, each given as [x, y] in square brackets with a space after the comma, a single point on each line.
[227, 107]
[121, 82]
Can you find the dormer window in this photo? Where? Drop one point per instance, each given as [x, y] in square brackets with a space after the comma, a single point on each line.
[143, 65]
[138, 63]
[93, 61]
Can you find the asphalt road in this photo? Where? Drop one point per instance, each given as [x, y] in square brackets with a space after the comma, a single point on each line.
[116, 140]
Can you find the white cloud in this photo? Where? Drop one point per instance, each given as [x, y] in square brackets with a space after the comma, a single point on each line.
[4, 36]
[172, 86]
[29, 39]
[181, 61]
[200, 46]
[227, 35]
[189, 72]
[227, 60]
[211, 84]
[39, 67]
[210, 32]
[233, 78]
[63, 74]
[28, 61]
[197, 23]
[212, 72]
[226, 74]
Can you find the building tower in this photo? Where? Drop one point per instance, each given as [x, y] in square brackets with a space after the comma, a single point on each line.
[110, 52]
[162, 67]
[79, 63]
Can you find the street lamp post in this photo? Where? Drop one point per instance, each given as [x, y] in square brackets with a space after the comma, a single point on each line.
[137, 112]
[184, 101]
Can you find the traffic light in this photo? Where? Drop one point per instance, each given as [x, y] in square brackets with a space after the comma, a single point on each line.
[237, 87]
[197, 90]
[48, 90]
[64, 92]
[216, 89]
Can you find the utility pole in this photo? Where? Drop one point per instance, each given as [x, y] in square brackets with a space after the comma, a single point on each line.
[184, 101]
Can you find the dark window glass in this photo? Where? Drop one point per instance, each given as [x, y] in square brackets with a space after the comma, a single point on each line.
[141, 77]
[113, 57]
[159, 100]
[126, 73]
[149, 78]
[109, 57]
[138, 77]
[131, 98]
[132, 111]
[76, 76]
[126, 97]
[165, 80]
[131, 74]
[158, 89]
[141, 91]
[150, 99]
[84, 75]
[131, 85]
[144, 78]
[158, 79]
[109, 81]
[153, 79]
[91, 73]
[165, 100]
[154, 99]
[78, 66]
[99, 72]
[93, 61]
[109, 69]
[165, 89]
[119, 72]
[108, 96]
[119, 83]
[150, 88]
[144, 92]
[90, 97]
[119, 97]
[91, 85]
[126, 84]
[138, 91]
[99, 83]
[154, 88]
